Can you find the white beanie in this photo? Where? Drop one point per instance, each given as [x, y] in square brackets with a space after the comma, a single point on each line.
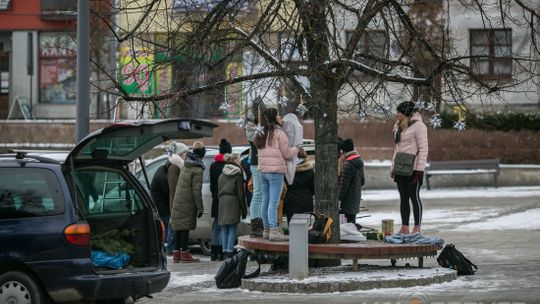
[180, 148]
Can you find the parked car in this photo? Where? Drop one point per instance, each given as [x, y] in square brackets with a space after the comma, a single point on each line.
[202, 234]
[54, 206]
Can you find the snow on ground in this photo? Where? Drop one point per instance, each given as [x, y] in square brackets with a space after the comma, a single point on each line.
[183, 279]
[479, 219]
[521, 220]
[393, 194]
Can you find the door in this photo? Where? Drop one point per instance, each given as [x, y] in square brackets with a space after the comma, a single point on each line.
[4, 85]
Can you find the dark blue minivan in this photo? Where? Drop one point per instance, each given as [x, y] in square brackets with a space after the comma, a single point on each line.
[57, 209]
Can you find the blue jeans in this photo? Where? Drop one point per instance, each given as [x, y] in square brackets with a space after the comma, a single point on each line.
[271, 187]
[216, 238]
[228, 236]
[169, 233]
[256, 199]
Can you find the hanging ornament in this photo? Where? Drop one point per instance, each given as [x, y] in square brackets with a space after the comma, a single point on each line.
[361, 115]
[460, 125]
[435, 121]
[301, 109]
[419, 104]
[282, 101]
[224, 107]
[259, 130]
[429, 106]
[382, 109]
[241, 123]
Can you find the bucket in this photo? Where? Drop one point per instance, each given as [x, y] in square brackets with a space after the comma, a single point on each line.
[387, 227]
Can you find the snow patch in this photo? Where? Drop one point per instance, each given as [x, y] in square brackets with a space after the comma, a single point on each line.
[183, 279]
[526, 220]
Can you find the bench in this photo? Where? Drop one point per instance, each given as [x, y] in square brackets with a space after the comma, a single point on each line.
[449, 167]
[353, 251]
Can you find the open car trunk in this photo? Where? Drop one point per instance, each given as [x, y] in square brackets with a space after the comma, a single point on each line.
[121, 215]
[121, 219]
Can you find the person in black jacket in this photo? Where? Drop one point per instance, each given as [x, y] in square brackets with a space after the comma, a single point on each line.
[159, 190]
[352, 180]
[299, 196]
[216, 168]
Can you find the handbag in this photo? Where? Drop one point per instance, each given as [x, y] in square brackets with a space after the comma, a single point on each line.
[404, 164]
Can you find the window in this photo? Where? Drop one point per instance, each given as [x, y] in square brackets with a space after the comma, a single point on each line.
[4, 73]
[27, 192]
[58, 9]
[105, 192]
[493, 48]
[372, 43]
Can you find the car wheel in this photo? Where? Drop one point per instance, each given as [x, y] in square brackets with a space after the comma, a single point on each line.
[205, 246]
[17, 287]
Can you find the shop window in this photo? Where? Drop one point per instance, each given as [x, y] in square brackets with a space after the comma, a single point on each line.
[491, 51]
[57, 63]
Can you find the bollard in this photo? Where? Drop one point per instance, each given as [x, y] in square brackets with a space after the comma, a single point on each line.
[298, 246]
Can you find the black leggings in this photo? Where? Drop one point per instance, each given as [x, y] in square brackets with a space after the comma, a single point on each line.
[409, 191]
[181, 240]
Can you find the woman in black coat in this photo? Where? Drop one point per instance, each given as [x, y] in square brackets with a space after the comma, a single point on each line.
[299, 196]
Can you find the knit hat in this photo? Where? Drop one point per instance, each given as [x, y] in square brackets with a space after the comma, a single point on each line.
[199, 149]
[180, 148]
[224, 147]
[407, 108]
[347, 145]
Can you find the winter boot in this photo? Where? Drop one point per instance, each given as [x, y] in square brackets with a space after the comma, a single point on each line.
[214, 253]
[404, 229]
[266, 233]
[256, 228]
[221, 256]
[276, 235]
[176, 256]
[416, 229]
[186, 257]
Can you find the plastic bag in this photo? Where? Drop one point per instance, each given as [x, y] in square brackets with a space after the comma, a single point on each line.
[101, 259]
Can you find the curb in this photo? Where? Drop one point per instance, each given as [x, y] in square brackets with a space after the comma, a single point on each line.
[343, 279]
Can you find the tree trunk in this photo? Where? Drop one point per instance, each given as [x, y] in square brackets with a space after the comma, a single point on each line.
[326, 153]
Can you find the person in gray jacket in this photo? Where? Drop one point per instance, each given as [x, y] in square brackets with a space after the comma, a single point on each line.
[232, 203]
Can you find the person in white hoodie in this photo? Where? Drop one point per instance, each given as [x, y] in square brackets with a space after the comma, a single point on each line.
[232, 202]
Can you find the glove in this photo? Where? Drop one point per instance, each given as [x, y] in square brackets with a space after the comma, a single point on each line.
[199, 214]
[418, 177]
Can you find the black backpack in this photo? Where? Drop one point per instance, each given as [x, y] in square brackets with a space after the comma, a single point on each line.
[233, 270]
[452, 258]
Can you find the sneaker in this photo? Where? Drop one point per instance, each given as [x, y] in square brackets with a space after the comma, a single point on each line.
[416, 229]
[277, 235]
[266, 233]
[404, 229]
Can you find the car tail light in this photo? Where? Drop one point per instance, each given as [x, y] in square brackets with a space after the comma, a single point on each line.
[78, 234]
[162, 231]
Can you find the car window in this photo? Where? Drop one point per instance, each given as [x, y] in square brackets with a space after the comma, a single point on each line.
[26, 192]
[104, 192]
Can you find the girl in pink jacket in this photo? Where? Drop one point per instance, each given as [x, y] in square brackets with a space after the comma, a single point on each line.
[273, 150]
[410, 135]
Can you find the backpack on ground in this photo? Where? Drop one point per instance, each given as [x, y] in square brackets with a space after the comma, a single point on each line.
[321, 231]
[233, 270]
[452, 258]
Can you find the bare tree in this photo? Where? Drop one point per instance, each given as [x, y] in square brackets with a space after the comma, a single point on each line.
[349, 56]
